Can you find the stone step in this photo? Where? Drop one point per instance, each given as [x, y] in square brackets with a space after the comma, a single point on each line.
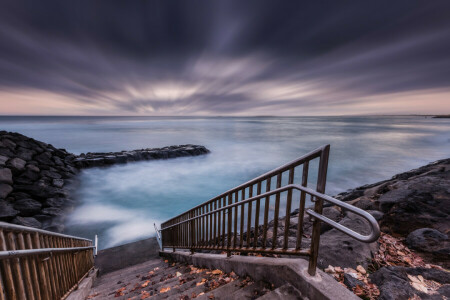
[284, 292]
[251, 291]
[222, 292]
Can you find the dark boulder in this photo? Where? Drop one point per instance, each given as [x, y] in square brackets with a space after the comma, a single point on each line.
[55, 202]
[5, 189]
[3, 160]
[27, 221]
[6, 176]
[16, 164]
[394, 283]
[339, 249]
[430, 241]
[7, 210]
[27, 207]
[25, 154]
[44, 158]
[351, 282]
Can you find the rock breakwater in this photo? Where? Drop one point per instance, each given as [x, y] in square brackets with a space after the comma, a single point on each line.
[97, 159]
[36, 179]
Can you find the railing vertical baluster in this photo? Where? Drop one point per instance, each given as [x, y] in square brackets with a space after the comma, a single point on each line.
[52, 268]
[192, 233]
[17, 273]
[301, 210]
[210, 224]
[230, 215]
[206, 226]
[215, 225]
[277, 211]
[7, 270]
[287, 220]
[44, 286]
[49, 268]
[33, 267]
[258, 208]
[241, 231]
[236, 199]
[249, 217]
[224, 199]
[318, 206]
[219, 223]
[266, 213]
[25, 267]
[203, 226]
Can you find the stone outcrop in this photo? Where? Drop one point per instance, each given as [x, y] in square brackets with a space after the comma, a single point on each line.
[98, 159]
[36, 178]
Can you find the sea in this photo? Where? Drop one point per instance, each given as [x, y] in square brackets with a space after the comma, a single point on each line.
[122, 203]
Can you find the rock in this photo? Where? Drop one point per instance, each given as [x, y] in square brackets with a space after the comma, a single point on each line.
[3, 160]
[55, 202]
[27, 207]
[27, 221]
[58, 183]
[378, 215]
[429, 240]
[44, 158]
[5, 189]
[392, 197]
[351, 282]
[7, 211]
[6, 176]
[339, 249]
[50, 174]
[19, 195]
[394, 283]
[16, 164]
[52, 211]
[29, 175]
[7, 143]
[25, 154]
[33, 168]
[6, 152]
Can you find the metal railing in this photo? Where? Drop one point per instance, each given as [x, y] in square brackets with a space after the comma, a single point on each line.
[39, 264]
[230, 223]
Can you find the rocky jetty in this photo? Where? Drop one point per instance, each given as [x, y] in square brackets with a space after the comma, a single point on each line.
[98, 159]
[34, 181]
[36, 178]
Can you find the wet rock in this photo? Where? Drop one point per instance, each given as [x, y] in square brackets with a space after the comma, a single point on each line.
[16, 164]
[339, 249]
[7, 211]
[27, 221]
[3, 160]
[33, 168]
[44, 158]
[27, 207]
[429, 240]
[25, 154]
[6, 176]
[50, 174]
[351, 282]
[5, 189]
[58, 183]
[394, 283]
[55, 202]
[52, 211]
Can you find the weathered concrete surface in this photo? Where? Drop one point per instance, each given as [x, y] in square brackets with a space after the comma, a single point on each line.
[123, 256]
[279, 271]
[84, 288]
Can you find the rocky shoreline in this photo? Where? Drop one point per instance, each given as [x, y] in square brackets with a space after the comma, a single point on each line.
[36, 178]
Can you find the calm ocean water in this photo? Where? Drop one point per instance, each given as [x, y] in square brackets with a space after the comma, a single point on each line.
[121, 203]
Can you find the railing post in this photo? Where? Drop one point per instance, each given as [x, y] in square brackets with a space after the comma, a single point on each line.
[318, 207]
[191, 223]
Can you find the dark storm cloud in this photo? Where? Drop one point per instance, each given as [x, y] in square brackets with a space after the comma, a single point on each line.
[222, 56]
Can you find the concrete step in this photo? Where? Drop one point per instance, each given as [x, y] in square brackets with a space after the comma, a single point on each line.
[159, 279]
[284, 292]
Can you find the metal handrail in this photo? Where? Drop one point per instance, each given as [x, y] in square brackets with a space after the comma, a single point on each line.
[30, 252]
[298, 161]
[20, 228]
[375, 228]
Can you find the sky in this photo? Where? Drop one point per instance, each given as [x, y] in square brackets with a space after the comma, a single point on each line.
[236, 58]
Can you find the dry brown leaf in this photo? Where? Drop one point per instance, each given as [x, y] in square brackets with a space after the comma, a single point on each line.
[178, 274]
[93, 295]
[120, 292]
[145, 283]
[217, 272]
[145, 295]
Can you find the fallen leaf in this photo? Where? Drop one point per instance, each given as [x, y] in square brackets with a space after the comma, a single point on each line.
[119, 292]
[145, 283]
[178, 274]
[361, 269]
[217, 272]
[93, 295]
[145, 295]
[164, 290]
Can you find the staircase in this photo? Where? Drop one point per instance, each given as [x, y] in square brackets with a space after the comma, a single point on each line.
[163, 279]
